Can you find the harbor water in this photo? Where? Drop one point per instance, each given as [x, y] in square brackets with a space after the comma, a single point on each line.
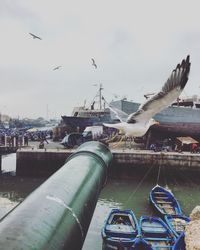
[124, 189]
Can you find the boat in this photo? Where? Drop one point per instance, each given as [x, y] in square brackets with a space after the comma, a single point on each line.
[180, 119]
[177, 223]
[156, 233]
[84, 116]
[180, 243]
[164, 201]
[120, 230]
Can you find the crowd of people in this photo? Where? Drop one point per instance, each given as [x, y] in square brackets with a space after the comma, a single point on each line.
[21, 137]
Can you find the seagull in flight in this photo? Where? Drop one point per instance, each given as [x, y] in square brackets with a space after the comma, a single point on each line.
[57, 67]
[94, 64]
[137, 124]
[35, 37]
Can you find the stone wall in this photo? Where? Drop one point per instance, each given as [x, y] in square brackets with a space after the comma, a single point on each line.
[192, 232]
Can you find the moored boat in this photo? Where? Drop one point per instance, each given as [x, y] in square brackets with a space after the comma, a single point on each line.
[180, 243]
[120, 230]
[164, 201]
[177, 223]
[156, 233]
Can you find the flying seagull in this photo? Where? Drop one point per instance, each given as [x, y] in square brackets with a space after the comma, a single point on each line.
[35, 37]
[57, 67]
[94, 64]
[137, 124]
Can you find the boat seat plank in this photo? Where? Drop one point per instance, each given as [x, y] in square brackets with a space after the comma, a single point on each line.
[161, 197]
[165, 202]
[158, 192]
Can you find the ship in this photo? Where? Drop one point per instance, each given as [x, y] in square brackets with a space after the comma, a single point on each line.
[182, 118]
[96, 114]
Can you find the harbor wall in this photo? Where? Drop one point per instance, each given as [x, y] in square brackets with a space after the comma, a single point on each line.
[44, 162]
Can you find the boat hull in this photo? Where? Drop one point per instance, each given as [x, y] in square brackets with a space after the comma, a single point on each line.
[177, 223]
[155, 232]
[180, 243]
[177, 120]
[117, 235]
[164, 201]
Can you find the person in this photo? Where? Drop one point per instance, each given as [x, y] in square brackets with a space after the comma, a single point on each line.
[41, 145]
[193, 148]
[153, 147]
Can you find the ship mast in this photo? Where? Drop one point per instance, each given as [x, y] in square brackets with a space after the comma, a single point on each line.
[100, 96]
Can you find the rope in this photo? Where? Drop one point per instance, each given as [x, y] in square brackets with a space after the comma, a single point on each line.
[158, 174]
[116, 144]
[139, 184]
[112, 138]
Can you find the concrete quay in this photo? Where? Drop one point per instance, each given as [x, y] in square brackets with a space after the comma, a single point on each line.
[44, 162]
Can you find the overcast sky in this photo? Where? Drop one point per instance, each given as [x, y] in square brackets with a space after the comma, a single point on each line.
[136, 45]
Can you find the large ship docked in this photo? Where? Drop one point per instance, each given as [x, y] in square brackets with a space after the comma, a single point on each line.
[182, 118]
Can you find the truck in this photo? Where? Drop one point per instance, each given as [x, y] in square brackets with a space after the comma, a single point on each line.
[92, 133]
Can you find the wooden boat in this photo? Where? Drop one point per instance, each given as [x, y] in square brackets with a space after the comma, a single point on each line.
[164, 201]
[156, 233]
[177, 223]
[180, 243]
[120, 230]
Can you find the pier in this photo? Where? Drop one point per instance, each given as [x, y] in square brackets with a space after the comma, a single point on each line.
[44, 162]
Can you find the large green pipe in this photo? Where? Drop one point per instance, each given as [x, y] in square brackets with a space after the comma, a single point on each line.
[58, 213]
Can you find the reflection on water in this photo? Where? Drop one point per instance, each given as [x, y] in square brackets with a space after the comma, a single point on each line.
[125, 189]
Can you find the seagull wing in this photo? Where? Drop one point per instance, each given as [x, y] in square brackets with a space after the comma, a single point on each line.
[93, 63]
[169, 92]
[121, 115]
[56, 68]
[34, 36]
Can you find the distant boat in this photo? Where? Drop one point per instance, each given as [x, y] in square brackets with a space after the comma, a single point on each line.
[156, 233]
[177, 223]
[164, 201]
[120, 230]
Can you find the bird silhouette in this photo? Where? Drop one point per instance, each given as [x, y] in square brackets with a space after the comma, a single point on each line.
[94, 64]
[35, 37]
[137, 124]
[57, 67]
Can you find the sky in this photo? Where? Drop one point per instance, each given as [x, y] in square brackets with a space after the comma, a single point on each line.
[135, 43]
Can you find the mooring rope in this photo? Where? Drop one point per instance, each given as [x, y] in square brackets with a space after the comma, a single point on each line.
[158, 174]
[117, 143]
[139, 184]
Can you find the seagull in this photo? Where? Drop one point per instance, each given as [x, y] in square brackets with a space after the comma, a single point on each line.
[137, 124]
[57, 67]
[94, 64]
[35, 37]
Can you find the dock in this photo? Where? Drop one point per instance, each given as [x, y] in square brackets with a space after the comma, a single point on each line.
[44, 162]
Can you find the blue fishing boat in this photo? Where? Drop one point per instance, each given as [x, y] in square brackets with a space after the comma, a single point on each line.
[180, 243]
[156, 233]
[164, 201]
[177, 223]
[120, 230]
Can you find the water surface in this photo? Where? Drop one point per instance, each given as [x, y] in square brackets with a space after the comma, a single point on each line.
[127, 188]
